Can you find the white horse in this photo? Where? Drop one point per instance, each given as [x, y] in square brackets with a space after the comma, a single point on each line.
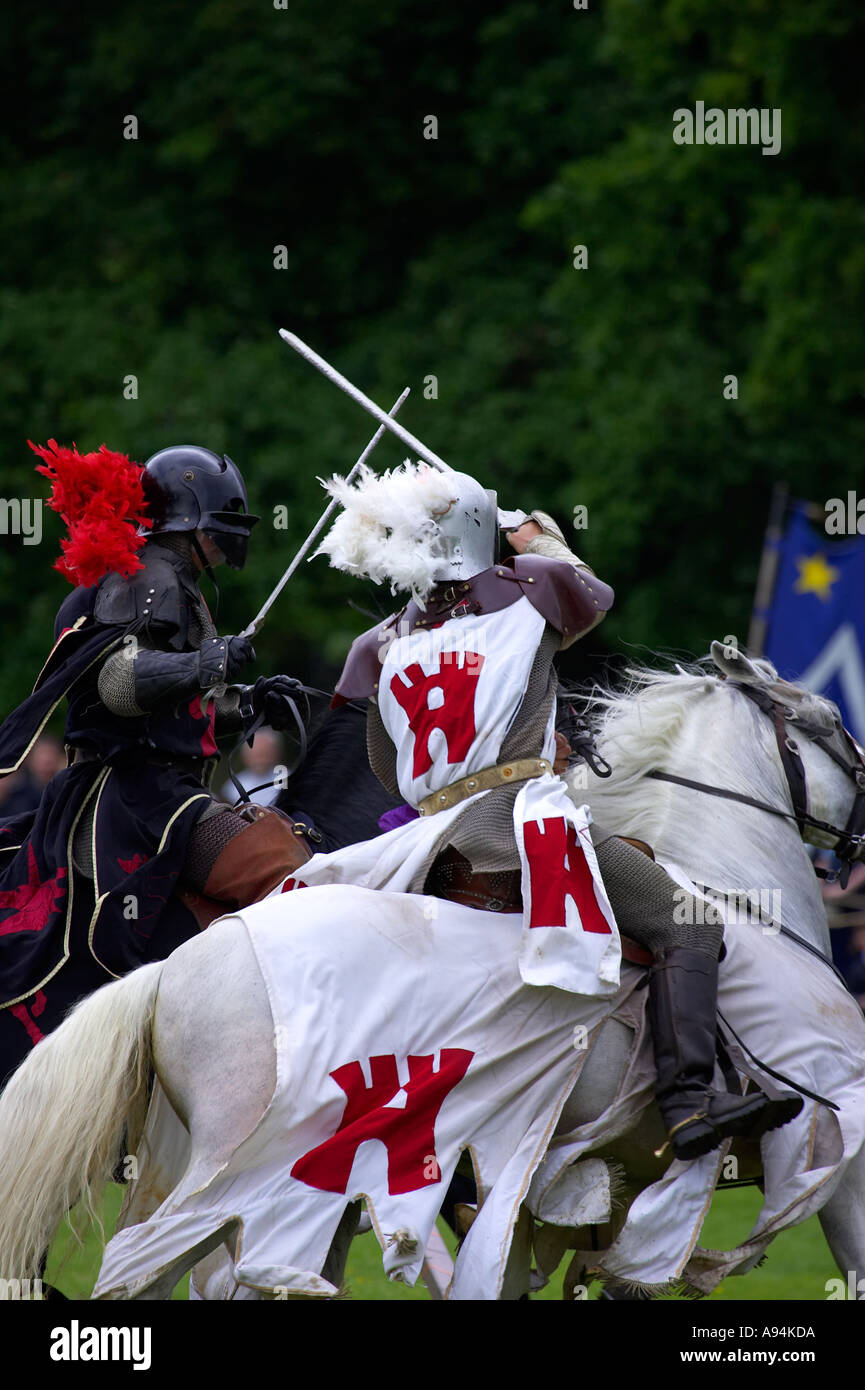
[203, 1018]
[773, 993]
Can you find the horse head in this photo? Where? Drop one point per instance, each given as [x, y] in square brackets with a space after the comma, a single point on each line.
[822, 764]
[727, 770]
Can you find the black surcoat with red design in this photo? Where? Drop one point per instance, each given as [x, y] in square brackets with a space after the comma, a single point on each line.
[98, 861]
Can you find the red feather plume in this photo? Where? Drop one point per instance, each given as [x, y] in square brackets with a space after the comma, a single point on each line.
[100, 497]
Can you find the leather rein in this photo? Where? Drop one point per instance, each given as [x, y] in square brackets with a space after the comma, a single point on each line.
[849, 840]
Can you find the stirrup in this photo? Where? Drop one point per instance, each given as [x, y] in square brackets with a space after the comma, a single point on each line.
[701, 1132]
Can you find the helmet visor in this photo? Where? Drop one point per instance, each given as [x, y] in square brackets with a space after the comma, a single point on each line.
[230, 531]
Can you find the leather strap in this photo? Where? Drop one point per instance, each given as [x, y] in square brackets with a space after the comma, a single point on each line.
[503, 774]
[850, 838]
[634, 954]
[638, 844]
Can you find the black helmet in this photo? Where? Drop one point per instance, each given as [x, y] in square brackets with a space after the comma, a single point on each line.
[189, 488]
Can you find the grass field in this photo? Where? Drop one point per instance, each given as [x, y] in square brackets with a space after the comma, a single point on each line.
[798, 1264]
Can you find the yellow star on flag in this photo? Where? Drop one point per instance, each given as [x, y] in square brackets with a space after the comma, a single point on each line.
[816, 576]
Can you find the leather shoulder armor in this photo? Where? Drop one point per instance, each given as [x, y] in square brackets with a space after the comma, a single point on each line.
[360, 675]
[76, 606]
[152, 599]
[569, 596]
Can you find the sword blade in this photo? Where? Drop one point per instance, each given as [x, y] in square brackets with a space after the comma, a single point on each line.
[357, 395]
[320, 524]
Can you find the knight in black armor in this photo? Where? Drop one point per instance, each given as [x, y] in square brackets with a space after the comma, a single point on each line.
[129, 854]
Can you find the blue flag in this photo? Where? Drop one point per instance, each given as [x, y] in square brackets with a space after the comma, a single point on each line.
[816, 624]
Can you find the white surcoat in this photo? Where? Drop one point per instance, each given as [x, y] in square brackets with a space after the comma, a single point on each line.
[448, 697]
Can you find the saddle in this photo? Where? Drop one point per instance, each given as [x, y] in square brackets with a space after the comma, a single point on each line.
[249, 865]
[451, 877]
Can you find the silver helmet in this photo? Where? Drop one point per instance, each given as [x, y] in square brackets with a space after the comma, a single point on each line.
[467, 530]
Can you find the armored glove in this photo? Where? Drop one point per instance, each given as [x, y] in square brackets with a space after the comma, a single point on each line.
[135, 680]
[551, 542]
[221, 658]
[272, 699]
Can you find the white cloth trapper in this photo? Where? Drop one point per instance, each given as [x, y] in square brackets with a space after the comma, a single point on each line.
[375, 1101]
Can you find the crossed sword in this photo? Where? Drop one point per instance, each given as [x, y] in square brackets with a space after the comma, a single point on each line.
[388, 422]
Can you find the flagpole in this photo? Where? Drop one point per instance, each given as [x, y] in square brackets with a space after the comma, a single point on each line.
[768, 574]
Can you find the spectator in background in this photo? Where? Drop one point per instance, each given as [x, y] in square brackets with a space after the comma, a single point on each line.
[22, 790]
[18, 793]
[855, 972]
[261, 763]
[47, 759]
[845, 913]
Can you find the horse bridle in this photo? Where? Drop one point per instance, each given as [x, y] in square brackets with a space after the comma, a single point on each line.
[850, 840]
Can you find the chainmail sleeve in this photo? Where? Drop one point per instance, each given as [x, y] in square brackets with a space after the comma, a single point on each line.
[116, 685]
[380, 749]
[227, 706]
[229, 719]
[201, 626]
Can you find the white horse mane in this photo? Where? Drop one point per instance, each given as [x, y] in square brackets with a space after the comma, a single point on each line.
[642, 720]
[688, 721]
[639, 725]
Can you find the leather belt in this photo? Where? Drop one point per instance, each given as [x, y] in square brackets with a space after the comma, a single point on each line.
[522, 770]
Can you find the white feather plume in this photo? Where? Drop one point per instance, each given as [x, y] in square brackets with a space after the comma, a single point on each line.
[387, 530]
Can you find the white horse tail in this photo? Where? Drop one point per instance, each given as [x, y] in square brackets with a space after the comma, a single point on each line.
[63, 1113]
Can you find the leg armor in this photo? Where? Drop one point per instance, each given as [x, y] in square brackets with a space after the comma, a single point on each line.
[682, 1003]
[233, 862]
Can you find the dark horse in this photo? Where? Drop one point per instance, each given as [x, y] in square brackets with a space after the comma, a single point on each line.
[335, 791]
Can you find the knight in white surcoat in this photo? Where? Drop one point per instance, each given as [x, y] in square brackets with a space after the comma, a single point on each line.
[462, 712]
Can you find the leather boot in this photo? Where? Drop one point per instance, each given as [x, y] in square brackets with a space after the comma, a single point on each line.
[683, 988]
[249, 867]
